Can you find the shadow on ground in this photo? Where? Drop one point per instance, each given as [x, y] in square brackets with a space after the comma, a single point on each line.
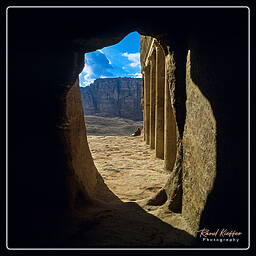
[111, 223]
[126, 225]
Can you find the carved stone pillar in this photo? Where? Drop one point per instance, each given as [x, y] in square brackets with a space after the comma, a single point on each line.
[152, 98]
[160, 98]
[146, 113]
[169, 130]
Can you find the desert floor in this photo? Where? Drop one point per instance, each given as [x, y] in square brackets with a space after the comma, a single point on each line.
[132, 172]
[129, 167]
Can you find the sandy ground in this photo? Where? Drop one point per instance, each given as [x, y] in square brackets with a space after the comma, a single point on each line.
[114, 126]
[128, 166]
[132, 172]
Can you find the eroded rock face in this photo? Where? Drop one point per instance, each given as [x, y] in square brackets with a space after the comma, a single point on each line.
[50, 170]
[113, 97]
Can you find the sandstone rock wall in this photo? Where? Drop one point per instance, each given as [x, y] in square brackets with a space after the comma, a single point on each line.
[198, 75]
[113, 97]
[199, 151]
[82, 175]
[49, 165]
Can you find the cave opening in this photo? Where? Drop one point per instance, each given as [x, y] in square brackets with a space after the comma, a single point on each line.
[113, 93]
[51, 173]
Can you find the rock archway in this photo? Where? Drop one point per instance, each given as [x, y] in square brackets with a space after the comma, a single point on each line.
[56, 196]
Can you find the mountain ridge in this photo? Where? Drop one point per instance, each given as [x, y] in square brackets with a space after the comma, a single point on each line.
[113, 97]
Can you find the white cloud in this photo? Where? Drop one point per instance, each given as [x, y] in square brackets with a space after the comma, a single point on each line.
[87, 69]
[87, 82]
[136, 75]
[105, 56]
[86, 76]
[133, 57]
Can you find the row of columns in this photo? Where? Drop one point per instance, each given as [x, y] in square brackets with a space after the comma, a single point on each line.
[159, 124]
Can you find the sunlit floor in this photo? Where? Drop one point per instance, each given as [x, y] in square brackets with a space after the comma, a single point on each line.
[128, 166]
[133, 173]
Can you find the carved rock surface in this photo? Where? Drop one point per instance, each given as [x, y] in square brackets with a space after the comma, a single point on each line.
[56, 197]
[113, 97]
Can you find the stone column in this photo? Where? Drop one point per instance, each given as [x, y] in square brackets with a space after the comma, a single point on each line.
[146, 114]
[143, 103]
[152, 98]
[159, 118]
[170, 146]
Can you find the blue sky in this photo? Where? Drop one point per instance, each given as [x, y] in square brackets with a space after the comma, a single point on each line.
[119, 60]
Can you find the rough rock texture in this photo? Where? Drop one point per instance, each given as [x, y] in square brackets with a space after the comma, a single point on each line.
[199, 151]
[113, 97]
[47, 193]
[197, 92]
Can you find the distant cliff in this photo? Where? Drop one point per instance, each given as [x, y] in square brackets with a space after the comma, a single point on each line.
[113, 97]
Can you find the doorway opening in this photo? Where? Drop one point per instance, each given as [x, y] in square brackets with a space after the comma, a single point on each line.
[112, 93]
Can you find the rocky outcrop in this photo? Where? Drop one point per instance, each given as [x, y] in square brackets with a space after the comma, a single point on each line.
[56, 197]
[113, 97]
